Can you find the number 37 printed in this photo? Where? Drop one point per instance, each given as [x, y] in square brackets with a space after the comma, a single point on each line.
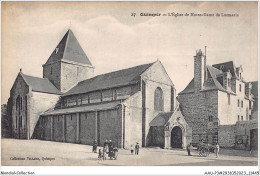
[133, 14]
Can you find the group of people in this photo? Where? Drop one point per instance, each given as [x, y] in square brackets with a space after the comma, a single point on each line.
[216, 149]
[108, 150]
[136, 149]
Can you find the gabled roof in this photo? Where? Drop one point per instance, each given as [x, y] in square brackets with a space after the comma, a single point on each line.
[211, 84]
[226, 66]
[40, 84]
[69, 49]
[214, 84]
[109, 80]
[161, 119]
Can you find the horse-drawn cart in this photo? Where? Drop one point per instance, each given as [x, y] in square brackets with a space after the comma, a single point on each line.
[205, 149]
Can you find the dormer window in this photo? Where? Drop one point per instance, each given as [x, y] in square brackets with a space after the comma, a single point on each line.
[221, 67]
[56, 50]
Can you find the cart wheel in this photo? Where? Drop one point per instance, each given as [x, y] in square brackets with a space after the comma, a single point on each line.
[204, 152]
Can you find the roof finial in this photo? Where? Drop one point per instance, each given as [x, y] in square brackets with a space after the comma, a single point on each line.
[205, 51]
[20, 69]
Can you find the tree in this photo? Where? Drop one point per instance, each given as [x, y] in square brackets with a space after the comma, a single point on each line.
[5, 122]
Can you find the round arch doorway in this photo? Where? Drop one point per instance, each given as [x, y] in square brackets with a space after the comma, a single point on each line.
[176, 137]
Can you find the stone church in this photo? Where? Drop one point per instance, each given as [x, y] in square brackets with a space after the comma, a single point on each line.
[70, 104]
[220, 105]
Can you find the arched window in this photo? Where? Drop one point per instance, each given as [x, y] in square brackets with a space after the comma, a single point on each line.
[18, 103]
[158, 99]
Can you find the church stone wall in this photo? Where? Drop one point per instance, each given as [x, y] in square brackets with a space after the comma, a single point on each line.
[40, 102]
[52, 72]
[133, 120]
[71, 127]
[83, 127]
[110, 127]
[155, 77]
[71, 74]
[20, 89]
[47, 128]
[157, 136]
[87, 128]
[58, 128]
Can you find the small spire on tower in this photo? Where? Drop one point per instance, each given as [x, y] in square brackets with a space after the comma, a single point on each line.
[205, 51]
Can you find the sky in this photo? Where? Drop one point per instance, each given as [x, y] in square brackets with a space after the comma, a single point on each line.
[113, 39]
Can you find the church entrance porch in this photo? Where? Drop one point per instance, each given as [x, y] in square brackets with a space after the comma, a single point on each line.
[169, 130]
[176, 137]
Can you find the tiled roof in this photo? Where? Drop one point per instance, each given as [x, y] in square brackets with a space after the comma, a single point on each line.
[94, 107]
[210, 84]
[214, 85]
[161, 119]
[40, 84]
[69, 49]
[109, 80]
[189, 88]
[226, 66]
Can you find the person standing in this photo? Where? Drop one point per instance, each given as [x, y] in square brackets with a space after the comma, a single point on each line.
[106, 147]
[188, 149]
[99, 154]
[110, 148]
[137, 148]
[132, 149]
[94, 147]
[104, 153]
[217, 150]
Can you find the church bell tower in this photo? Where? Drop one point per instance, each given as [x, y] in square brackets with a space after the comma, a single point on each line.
[68, 64]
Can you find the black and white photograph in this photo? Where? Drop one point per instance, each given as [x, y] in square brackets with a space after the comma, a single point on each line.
[129, 84]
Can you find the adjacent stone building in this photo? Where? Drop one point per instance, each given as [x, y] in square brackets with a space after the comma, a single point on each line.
[216, 101]
[70, 104]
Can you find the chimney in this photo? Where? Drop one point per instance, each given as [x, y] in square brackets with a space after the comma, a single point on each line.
[199, 70]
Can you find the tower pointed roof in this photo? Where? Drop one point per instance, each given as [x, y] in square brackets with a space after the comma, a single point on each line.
[69, 49]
